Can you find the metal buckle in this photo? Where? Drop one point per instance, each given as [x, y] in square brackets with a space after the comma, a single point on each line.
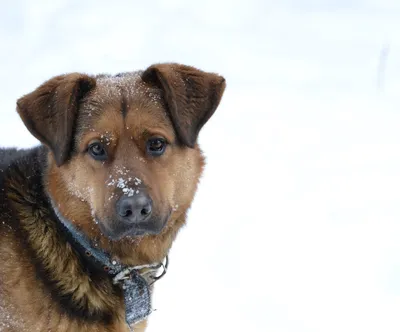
[151, 269]
[163, 273]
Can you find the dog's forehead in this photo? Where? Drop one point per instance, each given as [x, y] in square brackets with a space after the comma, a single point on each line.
[124, 92]
[123, 98]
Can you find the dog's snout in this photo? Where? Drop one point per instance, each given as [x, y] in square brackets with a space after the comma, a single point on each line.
[135, 209]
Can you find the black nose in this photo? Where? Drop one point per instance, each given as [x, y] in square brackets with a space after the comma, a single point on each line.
[136, 208]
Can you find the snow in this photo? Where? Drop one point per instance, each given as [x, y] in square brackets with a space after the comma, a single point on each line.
[124, 183]
[295, 226]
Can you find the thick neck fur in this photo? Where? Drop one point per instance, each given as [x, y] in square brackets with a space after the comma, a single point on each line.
[79, 291]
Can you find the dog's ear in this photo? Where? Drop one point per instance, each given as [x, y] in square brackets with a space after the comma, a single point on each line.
[50, 111]
[191, 96]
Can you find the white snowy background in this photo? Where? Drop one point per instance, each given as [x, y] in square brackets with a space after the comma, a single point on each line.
[295, 226]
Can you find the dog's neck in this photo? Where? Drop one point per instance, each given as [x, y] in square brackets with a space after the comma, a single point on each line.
[82, 291]
[135, 281]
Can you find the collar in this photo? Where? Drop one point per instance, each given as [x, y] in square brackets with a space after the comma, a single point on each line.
[135, 281]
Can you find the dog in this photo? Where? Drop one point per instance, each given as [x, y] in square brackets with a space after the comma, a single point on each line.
[88, 217]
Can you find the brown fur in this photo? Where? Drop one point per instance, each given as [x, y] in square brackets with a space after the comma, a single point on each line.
[44, 286]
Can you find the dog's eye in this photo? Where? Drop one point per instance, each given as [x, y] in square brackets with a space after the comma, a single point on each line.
[97, 151]
[156, 146]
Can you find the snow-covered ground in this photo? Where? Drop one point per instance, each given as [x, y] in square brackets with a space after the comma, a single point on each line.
[296, 224]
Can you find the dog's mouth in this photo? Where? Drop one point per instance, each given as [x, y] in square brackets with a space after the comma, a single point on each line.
[118, 230]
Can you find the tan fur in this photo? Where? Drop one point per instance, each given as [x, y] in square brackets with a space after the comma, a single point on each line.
[79, 185]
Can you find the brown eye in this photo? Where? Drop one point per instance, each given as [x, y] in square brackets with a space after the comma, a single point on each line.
[97, 151]
[156, 146]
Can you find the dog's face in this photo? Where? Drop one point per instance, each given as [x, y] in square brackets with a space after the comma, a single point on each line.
[123, 148]
[128, 163]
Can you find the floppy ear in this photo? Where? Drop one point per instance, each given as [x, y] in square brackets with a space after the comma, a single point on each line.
[50, 111]
[191, 95]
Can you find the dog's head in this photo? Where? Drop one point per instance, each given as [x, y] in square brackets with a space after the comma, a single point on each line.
[123, 149]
